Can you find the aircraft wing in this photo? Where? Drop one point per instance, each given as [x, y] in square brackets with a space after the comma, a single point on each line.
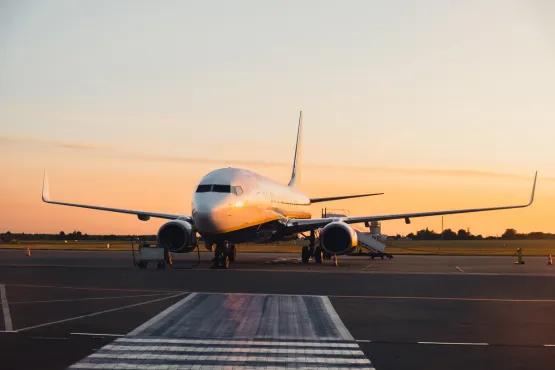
[142, 215]
[301, 225]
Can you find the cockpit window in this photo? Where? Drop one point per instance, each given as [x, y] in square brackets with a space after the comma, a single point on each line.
[213, 188]
[237, 190]
[204, 188]
[221, 189]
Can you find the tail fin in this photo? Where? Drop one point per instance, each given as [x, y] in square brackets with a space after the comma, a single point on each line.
[296, 173]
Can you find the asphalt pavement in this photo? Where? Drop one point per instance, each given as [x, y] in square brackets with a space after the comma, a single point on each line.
[411, 312]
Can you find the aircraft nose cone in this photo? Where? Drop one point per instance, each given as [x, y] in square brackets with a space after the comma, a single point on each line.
[208, 214]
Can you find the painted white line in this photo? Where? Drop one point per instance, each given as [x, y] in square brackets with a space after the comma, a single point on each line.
[336, 320]
[128, 366]
[99, 312]
[11, 331]
[207, 349]
[5, 309]
[460, 269]
[399, 297]
[161, 315]
[549, 345]
[98, 334]
[96, 288]
[207, 342]
[90, 299]
[364, 340]
[455, 343]
[365, 267]
[194, 357]
[446, 298]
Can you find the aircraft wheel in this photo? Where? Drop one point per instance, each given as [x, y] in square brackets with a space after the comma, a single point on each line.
[318, 255]
[305, 254]
[232, 253]
[142, 265]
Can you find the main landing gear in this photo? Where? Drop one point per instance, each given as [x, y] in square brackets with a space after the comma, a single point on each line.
[224, 254]
[313, 250]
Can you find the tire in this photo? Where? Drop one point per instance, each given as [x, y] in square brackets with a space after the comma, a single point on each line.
[232, 253]
[318, 255]
[305, 254]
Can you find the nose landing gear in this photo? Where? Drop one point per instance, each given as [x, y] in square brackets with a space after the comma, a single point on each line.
[224, 254]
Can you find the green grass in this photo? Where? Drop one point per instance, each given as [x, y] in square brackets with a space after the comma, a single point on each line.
[421, 247]
[472, 247]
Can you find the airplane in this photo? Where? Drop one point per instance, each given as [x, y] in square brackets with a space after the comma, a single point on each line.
[234, 205]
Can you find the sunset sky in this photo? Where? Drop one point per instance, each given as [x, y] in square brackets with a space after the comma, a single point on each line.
[439, 104]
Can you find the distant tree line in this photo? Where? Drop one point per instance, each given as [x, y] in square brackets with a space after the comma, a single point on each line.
[448, 234]
[74, 235]
[424, 234]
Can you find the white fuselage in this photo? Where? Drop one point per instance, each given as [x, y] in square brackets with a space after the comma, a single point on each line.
[228, 201]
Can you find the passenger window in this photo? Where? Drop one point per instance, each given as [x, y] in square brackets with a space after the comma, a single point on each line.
[204, 188]
[222, 189]
[237, 190]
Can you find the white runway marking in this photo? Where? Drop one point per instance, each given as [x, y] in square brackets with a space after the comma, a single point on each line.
[200, 348]
[98, 313]
[90, 299]
[128, 366]
[460, 269]
[446, 298]
[364, 340]
[96, 288]
[205, 357]
[235, 330]
[455, 343]
[165, 341]
[336, 320]
[5, 309]
[549, 345]
[161, 315]
[98, 334]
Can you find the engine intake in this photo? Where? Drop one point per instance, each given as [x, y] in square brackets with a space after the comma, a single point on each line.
[177, 236]
[338, 238]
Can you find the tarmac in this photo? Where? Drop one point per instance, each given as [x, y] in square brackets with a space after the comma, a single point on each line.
[96, 310]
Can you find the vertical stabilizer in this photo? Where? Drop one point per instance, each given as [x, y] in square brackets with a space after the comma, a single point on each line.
[296, 173]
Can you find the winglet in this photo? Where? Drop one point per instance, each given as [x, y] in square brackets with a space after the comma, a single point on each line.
[533, 189]
[296, 173]
[45, 188]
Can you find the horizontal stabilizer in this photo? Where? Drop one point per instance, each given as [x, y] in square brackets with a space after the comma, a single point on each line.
[318, 200]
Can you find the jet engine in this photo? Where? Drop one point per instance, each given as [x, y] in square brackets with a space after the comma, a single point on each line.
[338, 238]
[177, 236]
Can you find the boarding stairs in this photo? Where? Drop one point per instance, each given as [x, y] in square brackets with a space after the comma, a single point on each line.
[367, 240]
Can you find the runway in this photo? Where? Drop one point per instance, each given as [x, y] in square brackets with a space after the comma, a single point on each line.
[410, 312]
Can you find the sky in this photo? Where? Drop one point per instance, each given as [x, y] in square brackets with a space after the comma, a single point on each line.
[439, 104]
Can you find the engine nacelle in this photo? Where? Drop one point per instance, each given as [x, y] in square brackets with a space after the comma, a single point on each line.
[178, 236]
[338, 238]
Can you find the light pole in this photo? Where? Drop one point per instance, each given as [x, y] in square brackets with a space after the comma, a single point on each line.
[441, 227]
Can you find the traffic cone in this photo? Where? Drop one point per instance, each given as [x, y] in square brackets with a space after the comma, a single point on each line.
[28, 252]
[335, 260]
[549, 260]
